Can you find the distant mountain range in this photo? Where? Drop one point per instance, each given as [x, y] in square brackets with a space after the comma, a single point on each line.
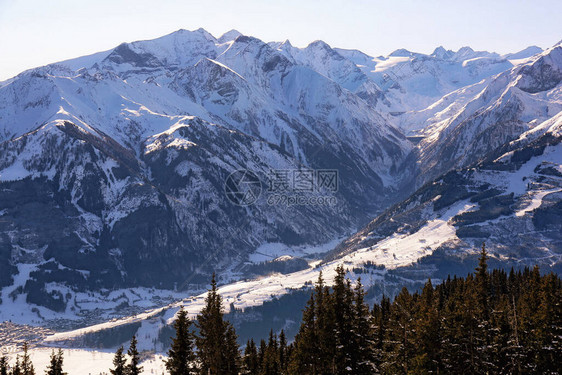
[114, 166]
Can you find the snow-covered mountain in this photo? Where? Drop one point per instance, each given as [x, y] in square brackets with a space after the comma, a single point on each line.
[466, 124]
[412, 81]
[525, 53]
[113, 171]
[511, 200]
[113, 166]
[436, 232]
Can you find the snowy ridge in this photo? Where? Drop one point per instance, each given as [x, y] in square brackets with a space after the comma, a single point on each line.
[466, 124]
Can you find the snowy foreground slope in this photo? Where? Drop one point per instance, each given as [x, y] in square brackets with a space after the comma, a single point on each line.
[113, 210]
[84, 362]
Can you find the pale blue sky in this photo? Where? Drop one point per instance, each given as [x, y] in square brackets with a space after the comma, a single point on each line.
[37, 32]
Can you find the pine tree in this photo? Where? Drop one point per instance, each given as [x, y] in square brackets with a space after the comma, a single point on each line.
[232, 351]
[549, 330]
[119, 363]
[210, 340]
[55, 364]
[501, 345]
[26, 365]
[379, 316]
[483, 330]
[486, 323]
[261, 354]
[482, 283]
[271, 359]
[304, 357]
[282, 353]
[4, 365]
[400, 338]
[427, 328]
[363, 361]
[52, 368]
[324, 327]
[17, 366]
[217, 349]
[250, 361]
[133, 368]
[181, 357]
[342, 300]
[60, 360]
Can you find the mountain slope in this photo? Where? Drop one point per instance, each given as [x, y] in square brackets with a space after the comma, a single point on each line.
[435, 232]
[126, 154]
[467, 124]
[510, 200]
[412, 81]
[114, 167]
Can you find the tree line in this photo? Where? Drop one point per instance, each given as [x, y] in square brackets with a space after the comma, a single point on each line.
[487, 323]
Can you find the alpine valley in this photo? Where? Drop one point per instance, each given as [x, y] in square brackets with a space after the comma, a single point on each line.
[113, 212]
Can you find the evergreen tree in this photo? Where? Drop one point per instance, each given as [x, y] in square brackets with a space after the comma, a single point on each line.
[324, 327]
[399, 350]
[52, 367]
[232, 351]
[119, 363]
[55, 363]
[270, 364]
[26, 365]
[250, 361]
[261, 354]
[133, 368]
[380, 316]
[17, 366]
[216, 343]
[486, 323]
[4, 365]
[426, 331]
[181, 357]
[483, 331]
[549, 329]
[363, 361]
[304, 358]
[283, 357]
[342, 301]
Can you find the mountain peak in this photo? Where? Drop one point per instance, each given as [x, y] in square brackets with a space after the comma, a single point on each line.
[229, 36]
[319, 44]
[439, 49]
[465, 49]
[442, 53]
[402, 52]
[247, 39]
[205, 33]
[524, 53]
[181, 33]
